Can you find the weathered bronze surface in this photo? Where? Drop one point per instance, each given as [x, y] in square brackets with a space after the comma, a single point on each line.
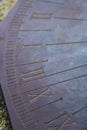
[43, 64]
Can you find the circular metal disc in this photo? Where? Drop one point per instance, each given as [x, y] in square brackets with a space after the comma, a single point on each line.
[43, 64]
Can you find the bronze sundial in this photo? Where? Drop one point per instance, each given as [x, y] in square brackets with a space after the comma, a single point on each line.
[43, 64]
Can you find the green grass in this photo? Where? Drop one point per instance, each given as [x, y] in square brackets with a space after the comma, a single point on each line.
[5, 123]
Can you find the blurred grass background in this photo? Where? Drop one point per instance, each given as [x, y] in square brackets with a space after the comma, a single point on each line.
[5, 6]
[5, 123]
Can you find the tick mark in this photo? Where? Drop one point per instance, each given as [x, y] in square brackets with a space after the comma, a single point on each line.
[57, 100]
[76, 19]
[76, 112]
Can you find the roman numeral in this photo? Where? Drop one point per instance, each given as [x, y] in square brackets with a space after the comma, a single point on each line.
[32, 75]
[66, 122]
[34, 95]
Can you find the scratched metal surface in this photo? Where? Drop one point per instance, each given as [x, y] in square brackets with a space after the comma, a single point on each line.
[43, 64]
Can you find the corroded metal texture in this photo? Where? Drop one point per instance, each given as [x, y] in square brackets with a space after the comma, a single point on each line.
[43, 64]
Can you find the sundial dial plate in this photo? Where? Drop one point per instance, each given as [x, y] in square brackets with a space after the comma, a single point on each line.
[44, 66]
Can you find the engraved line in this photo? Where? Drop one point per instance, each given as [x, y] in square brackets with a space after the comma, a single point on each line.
[62, 18]
[52, 2]
[77, 42]
[56, 118]
[85, 75]
[31, 71]
[74, 113]
[33, 63]
[43, 93]
[32, 74]
[46, 104]
[51, 44]
[67, 70]
[62, 71]
[41, 16]
[30, 78]
[50, 85]
[64, 123]
[36, 30]
[35, 45]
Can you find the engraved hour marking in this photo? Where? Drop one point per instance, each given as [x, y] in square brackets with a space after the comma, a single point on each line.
[34, 74]
[52, 2]
[76, 19]
[60, 82]
[66, 43]
[41, 16]
[67, 121]
[34, 30]
[35, 45]
[34, 95]
[36, 62]
[76, 112]
[77, 77]
[70, 69]
[52, 102]
[53, 44]
[17, 22]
